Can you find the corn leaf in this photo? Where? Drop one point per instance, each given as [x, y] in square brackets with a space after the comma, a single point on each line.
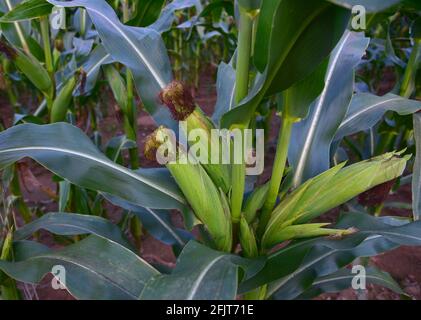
[70, 224]
[369, 5]
[112, 273]
[200, 274]
[310, 152]
[27, 10]
[342, 280]
[366, 110]
[69, 153]
[285, 31]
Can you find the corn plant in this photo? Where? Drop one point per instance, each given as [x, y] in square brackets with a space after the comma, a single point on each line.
[259, 242]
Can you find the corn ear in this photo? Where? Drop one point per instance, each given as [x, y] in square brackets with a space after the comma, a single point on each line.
[247, 239]
[255, 202]
[354, 180]
[29, 66]
[331, 189]
[198, 188]
[303, 231]
[62, 102]
[180, 103]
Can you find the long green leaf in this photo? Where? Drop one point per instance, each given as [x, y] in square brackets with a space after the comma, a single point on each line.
[156, 222]
[201, 274]
[96, 268]
[70, 224]
[310, 152]
[140, 49]
[286, 31]
[147, 12]
[342, 280]
[69, 153]
[366, 110]
[27, 10]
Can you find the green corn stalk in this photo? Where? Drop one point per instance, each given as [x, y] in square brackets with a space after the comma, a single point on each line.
[124, 99]
[45, 33]
[180, 102]
[19, 30]
[9, 290]
[245, 37]
[198, 188]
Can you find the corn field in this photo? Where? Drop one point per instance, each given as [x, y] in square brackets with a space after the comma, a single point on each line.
[210, 149]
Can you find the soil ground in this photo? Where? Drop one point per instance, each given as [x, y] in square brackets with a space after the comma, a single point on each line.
[404, 264]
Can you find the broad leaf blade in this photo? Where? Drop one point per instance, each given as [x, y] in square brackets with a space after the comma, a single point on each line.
[310, 152]
[342, 280]
[156, 222]
[96, 268]
[27, 10]
[70, 224]
[201, 274]
[366, 110]
[369, 5]
[293, 38]
[67, 152]
[140, 49]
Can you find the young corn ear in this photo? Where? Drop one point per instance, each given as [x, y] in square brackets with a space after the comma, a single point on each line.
[63, 100]
[198, 188]
[331, 189]
[255, 202]
[247, 239]
[29, 66]
[8, 287]
[180, 102]
[304, 231]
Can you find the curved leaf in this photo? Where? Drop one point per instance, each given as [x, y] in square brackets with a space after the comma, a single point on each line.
[27, 10]
[147, 12]
[370, 5]
[366, 110]
[156, 222]
[416, 179]
[70, 224]
[69, 153]
[96, 268]
[310, 152]
[293, 38]
[201, 274]
[140, 49]
[342, 280]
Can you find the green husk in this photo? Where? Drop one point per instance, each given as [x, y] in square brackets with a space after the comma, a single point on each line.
[255, 202]
[62, 102]
[248, 240]
[180, 102]
[304, 231]
[331, 189]
[198, 188]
